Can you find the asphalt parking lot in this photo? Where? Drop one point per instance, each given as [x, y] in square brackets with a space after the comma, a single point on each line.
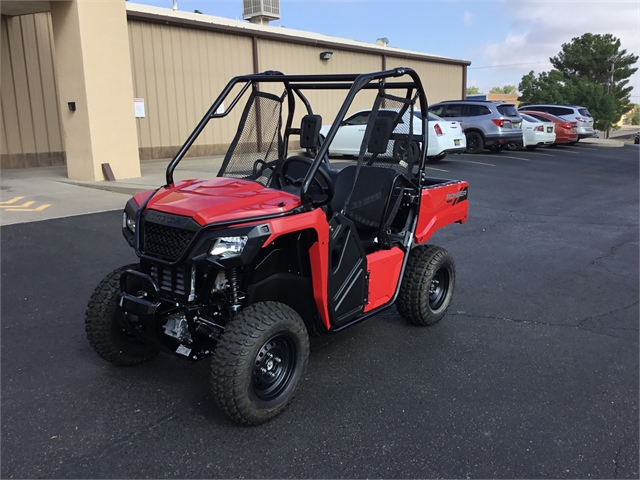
[533, 373]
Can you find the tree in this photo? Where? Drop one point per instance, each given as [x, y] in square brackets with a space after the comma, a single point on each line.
[597, 58]
[582, 77]
[473, 91]
[507, 89]
[635, 116]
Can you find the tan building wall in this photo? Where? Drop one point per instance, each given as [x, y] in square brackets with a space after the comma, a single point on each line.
[179, 67]
[179, 72]
[31, 132]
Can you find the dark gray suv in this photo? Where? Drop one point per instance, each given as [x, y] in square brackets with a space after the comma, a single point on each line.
[486, 124]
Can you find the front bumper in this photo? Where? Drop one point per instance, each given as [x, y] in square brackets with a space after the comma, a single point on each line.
[502, 139]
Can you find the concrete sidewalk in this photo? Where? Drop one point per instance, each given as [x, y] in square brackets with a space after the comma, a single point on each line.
[33, 194]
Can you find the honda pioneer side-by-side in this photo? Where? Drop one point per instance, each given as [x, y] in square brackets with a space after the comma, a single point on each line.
[243, 267]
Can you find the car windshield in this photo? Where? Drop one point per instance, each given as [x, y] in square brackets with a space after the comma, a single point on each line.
[508, 110]
[431, 116]
[547, 117]
[530, 119]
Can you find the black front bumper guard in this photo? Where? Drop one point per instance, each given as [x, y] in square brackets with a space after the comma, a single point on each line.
[152, 313]
[146, 308]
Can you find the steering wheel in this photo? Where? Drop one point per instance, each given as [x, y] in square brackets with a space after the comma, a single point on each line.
[322, 186]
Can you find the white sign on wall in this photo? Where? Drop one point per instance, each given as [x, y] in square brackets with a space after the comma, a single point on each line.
[138, 105]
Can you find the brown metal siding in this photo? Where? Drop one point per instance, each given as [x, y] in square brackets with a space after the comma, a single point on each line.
[31, 133]
[179, 72]
[441, 81]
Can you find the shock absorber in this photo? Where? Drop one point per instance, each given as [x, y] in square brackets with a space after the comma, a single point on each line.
[234, 289]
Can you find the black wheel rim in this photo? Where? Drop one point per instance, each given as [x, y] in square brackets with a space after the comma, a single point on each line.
[273, 367]
[473, 142]
[439, 288]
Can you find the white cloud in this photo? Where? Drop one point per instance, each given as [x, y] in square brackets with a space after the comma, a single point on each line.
[539, 28]
[467, 18]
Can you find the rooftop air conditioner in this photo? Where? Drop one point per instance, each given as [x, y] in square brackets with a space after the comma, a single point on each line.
[260, 11]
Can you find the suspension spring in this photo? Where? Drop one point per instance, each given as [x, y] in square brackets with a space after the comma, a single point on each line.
[234, 288]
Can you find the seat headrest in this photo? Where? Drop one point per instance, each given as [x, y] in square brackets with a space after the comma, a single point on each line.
[310, 131]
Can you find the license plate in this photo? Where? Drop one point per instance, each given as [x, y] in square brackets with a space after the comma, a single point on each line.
[549, 129]
[590, 122]
[456, 142]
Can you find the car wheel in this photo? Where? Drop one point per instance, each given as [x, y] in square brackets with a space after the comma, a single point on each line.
[514, 146]
[475, 143]
[427, 285]
[105, 330]
[259, 362]
[497, 148]
[407, 151]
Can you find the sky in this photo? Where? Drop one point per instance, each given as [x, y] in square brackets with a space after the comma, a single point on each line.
[503, 39]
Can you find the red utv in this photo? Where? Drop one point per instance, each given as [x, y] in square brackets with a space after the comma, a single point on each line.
[243, 267]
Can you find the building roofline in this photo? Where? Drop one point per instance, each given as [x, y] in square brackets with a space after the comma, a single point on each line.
[198, 21]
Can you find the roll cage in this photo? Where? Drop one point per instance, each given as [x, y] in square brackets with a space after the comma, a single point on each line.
[294, 86]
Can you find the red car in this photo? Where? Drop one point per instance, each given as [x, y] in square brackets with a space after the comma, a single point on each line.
[566, 132]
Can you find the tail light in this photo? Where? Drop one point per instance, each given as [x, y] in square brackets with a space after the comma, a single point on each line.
[438, 130]
[499, 122]
[539, 128]
[580, 119]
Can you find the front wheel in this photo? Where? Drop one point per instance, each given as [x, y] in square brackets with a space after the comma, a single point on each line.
[475, 142]
[427, 285]
[104, 327]
[259, 362]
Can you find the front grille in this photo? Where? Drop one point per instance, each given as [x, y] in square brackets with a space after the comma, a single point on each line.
[176, 280]
[165, 242]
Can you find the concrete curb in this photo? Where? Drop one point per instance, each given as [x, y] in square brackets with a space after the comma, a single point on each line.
[603, 142]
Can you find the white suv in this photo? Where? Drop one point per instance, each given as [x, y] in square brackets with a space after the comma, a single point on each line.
[571, 113]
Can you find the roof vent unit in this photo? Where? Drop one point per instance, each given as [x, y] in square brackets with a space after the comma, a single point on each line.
[260, 11]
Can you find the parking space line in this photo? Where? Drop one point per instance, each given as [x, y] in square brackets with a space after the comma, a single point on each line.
[564, 150]
[543, 154]
[477, 163]
[13, 200]
[438, 169]
[499, 155]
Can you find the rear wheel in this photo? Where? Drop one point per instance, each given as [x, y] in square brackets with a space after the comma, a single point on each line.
[406, 150]
[104, 327]
[259, 362]
[475, 142]
[427, 285]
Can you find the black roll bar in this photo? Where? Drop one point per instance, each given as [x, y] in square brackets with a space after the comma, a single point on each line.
[352, 82]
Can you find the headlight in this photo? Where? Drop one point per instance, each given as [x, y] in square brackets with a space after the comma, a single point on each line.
[129, 222]
[228, 247]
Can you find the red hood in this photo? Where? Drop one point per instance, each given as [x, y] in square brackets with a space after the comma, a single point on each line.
[221, 199]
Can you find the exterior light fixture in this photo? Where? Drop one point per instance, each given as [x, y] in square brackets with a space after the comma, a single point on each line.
[325, 55]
